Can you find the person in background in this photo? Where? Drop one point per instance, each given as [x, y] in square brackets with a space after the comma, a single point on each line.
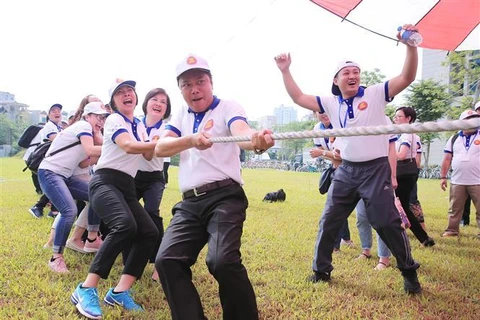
[52, 127]
[415, 205]
[113, 197]
[56, 177]
[33, 144]
[214, 203]
[166, 165]
[324, 148]
[463, 156]
[365, 171]
[407, 152]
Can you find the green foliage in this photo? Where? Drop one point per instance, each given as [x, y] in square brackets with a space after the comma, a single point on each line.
[372, 77]
[290, 147]
[464, 73]
[277, 247]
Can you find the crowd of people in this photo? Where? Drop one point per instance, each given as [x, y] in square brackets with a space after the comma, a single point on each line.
[112, 159]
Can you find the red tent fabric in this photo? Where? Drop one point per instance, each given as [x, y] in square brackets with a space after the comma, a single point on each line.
[444, 24]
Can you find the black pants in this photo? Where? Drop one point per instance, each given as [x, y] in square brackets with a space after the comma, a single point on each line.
[165, 170]
[405, 186]
[215, 219]
[371, 182]
[112, 196]
[466, 212]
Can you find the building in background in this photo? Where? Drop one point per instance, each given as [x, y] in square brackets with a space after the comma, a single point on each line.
[284, 114]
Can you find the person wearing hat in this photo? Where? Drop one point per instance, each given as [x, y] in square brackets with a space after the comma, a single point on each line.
[365, 172]
[112, 196]
[61, 186]
[462, 154]
[214, 203]
[49, 131]
[477, 107]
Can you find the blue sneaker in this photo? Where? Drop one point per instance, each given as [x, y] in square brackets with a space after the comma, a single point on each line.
[123, 299]
[86, 302]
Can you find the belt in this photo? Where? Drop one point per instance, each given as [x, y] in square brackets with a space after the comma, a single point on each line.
[202, 190]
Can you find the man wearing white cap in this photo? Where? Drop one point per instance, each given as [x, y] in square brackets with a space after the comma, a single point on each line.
[214, 204]
[462, 153]
[365, 172]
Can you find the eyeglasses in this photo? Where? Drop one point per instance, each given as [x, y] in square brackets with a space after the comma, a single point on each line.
[396, 117]
[101, 117]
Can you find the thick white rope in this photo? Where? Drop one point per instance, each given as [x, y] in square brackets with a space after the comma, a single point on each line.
[437, 126]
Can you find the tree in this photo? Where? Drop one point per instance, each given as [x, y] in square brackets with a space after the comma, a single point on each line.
[431, 100]
[290, 147]
[372, 77]
[464, 73]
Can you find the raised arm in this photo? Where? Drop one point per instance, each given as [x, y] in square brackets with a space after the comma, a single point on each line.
[283, 61]
[409, 71]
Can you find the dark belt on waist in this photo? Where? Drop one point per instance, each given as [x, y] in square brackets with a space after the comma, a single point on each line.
[202, 190]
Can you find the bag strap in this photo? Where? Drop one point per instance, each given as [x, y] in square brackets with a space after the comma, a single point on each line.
[62, 149]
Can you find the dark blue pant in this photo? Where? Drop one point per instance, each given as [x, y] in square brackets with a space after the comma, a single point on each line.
[215, 219]
[113, 198]
[371, 182]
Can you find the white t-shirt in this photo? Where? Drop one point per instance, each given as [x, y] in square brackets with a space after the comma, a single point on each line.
[222, 160]
[466, 159]
[49, 129]
[154, 132]
[66, 162]
[367, 108]
[113, 157]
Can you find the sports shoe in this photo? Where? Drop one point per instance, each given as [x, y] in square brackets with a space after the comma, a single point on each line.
[52, 214]
[123, 299]
[411, 283]
[73, 246]
[92, 247]
[319, 277]
[86, 302]
[429, 242]
[36, 212]
[58, 265]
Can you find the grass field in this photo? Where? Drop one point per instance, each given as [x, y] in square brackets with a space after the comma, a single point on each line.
[277, 250]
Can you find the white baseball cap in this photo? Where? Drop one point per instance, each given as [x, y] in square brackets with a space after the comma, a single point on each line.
[192, 61]
[71, 114]
[119, 83]
[477, 106]
[95, 107]
[468, 114]
[340, 66]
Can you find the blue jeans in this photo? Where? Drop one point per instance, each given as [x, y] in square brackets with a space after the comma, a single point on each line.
[365, 232]
[63, 192]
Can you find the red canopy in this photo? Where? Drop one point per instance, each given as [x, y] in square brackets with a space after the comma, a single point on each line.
[444, 24]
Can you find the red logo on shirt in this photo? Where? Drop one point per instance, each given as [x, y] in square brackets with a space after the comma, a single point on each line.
[362, 105]
[208, 125]
[476, 142]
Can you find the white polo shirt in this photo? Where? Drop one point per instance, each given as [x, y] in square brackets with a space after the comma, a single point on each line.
[113, 157]
[222, 160]
[322, 142]
[154, 132]
[409, 140]
[49, 129]
[367, 108]
[466, 159]
[66, 162]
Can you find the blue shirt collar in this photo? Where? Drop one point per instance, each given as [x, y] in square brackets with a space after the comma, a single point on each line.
[360, 93]
[214, 104]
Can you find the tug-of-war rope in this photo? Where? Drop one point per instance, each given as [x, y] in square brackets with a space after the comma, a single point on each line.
[432, 126]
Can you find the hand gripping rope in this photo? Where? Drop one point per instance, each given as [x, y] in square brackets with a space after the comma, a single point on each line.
[432, 126]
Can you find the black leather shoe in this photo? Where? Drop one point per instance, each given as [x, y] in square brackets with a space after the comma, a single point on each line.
[319, 277]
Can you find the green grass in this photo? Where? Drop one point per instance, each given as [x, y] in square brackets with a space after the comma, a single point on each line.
[277, 251]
